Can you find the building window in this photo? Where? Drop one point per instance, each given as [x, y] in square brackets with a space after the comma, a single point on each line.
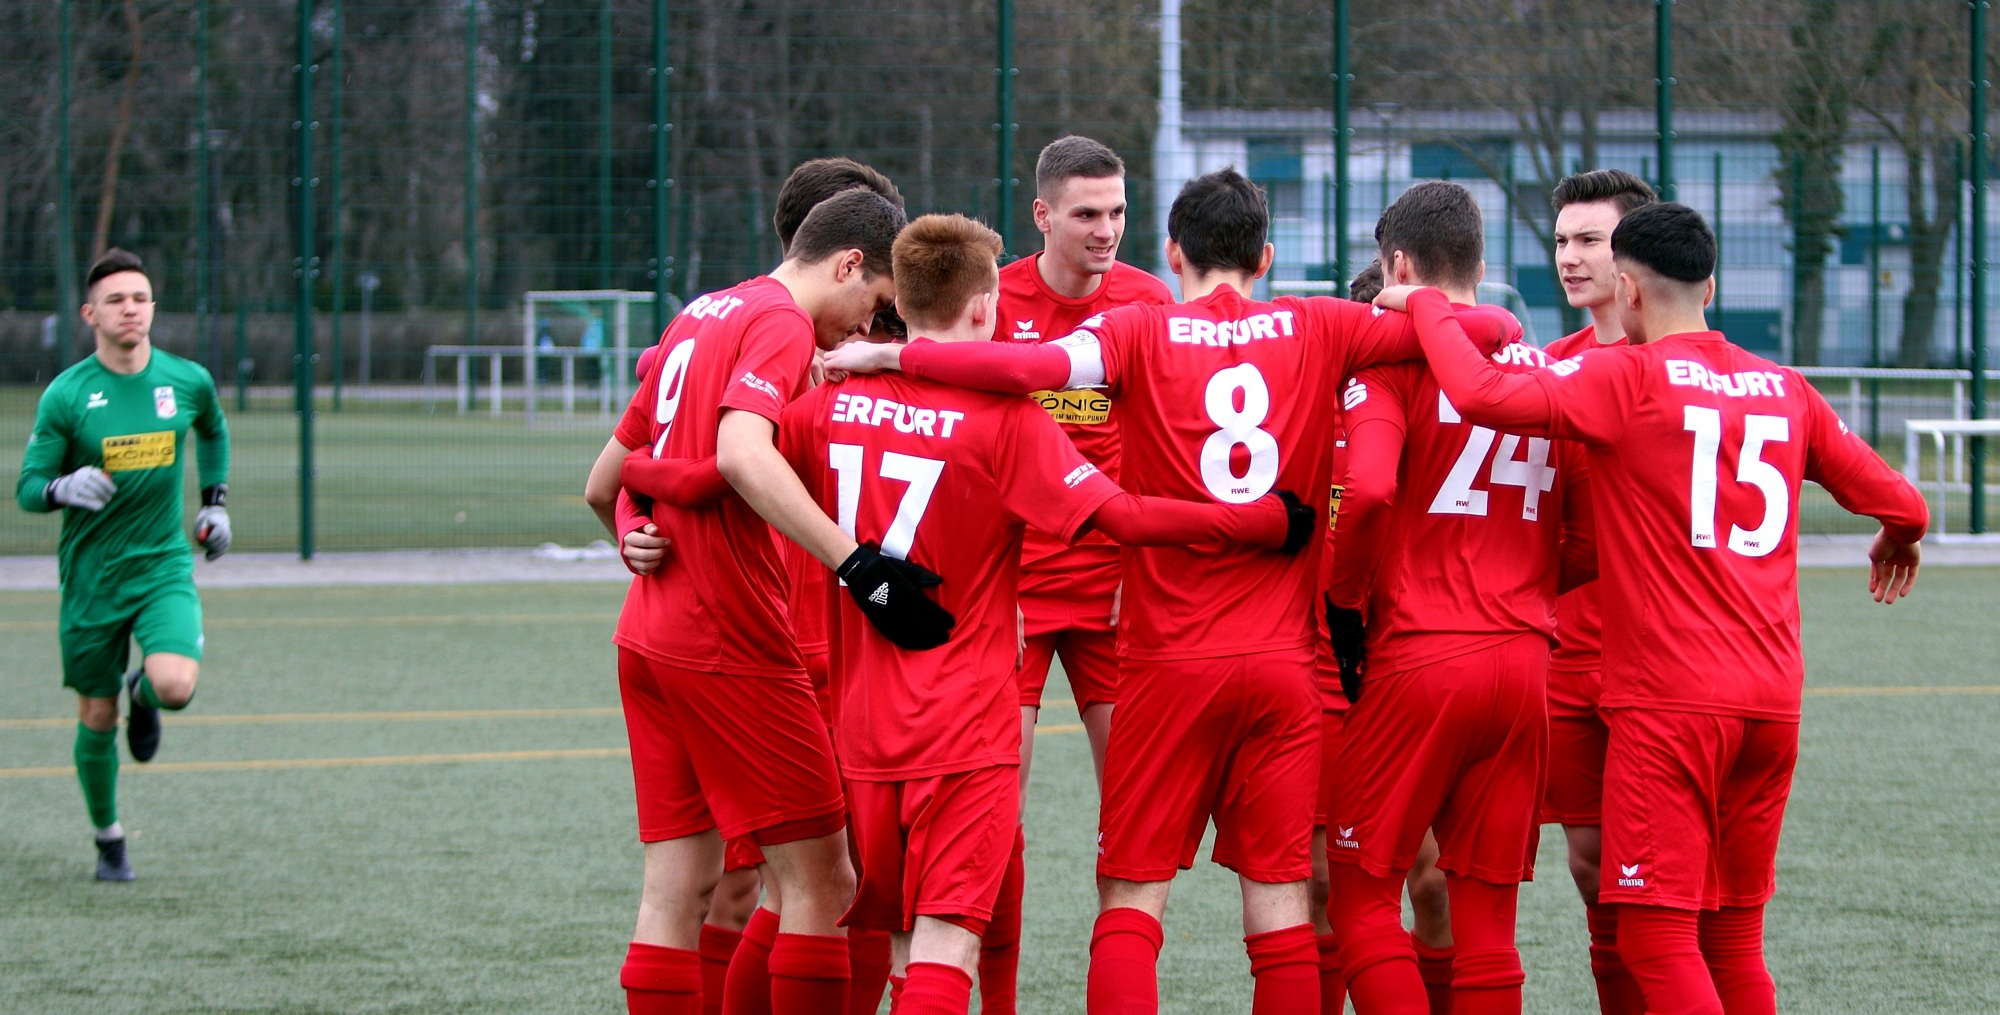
[1471, 159]
[1278, 165]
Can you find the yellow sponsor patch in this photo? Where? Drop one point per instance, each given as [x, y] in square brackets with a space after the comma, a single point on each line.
[139, 451]
[1085, 408]
[1333, 507]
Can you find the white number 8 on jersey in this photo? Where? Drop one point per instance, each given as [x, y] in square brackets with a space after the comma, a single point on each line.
[1238, 427]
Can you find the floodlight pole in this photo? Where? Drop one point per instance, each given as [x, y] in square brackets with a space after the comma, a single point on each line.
[1663, 70]
[1976, 169]
[305, 268]
[1343, 80]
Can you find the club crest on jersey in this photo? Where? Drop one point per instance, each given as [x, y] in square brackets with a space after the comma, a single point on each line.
[163, 402]
[1355, 394]
[1024, 331]
[97, 401]
[1628, 876]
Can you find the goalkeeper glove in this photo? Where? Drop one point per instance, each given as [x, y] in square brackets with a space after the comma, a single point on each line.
[88, 489]
[211, 523]
[1349, 640]
[1300, 522]
[890, 594]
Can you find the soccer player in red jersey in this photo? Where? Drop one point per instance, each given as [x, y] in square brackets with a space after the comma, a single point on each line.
[930, 743]
[1449, 548]
[1697, 449]
[724, 729]
[1588, 207]
[1069, 594]
[1219, 398]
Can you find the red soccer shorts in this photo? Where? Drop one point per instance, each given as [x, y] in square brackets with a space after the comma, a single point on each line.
[741, 855]
[1332, 732]
[1089, 658]
[1458, 746]
[1693, 805]
[1235, 738]
[1577, 736]
[936, 846]
[816, 671]
[746, 755]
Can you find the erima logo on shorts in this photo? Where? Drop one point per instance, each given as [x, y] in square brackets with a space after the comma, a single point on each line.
[1629, 876]
[880, 596]
[1344, 837]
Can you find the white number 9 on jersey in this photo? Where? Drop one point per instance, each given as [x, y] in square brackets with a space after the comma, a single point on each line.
[673, 374]
[1242, 427]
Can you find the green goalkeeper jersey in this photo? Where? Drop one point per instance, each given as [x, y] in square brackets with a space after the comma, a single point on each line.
[134, 427]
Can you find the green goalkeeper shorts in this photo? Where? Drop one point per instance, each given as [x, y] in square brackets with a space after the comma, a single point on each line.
[98, 626]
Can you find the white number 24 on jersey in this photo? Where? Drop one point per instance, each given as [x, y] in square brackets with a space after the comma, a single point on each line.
[1531, 472]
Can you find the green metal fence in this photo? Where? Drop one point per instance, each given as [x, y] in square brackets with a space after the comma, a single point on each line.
[326, 190]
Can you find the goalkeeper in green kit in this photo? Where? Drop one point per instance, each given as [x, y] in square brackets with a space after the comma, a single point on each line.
[108, 449]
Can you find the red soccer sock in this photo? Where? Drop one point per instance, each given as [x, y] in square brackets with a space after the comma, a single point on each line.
[1434, 968]
[809, 974]
[661, 981]
[1662, 948]
[1375, 954]
[868, 963]
[935, 988]
[718, 945]
[1486, 973]
[1617, 992]
[1285, 964]
[1332, 990]
[1124, 964]
[1000, 949]
[896, 985]
[1732, 943]
[747, 989]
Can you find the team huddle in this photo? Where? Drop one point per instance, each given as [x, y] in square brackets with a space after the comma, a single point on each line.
[1369, 584]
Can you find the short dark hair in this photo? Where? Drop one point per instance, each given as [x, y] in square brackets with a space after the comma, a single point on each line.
[854, 219]
[814, 181]
[1220, 221]
[941, 262]
[1617, 186]
[1437, 225]
[1367, 285]
[1668, 237]
[1069, 157]
[111, 262]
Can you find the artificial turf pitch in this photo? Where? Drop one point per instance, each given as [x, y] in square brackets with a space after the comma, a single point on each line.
[313, 837]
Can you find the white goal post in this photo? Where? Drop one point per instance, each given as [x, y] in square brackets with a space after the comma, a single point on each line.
[618, 352]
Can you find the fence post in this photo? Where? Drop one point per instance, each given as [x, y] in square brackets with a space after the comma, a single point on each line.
[203, 270]
[1663, 70]
[471, 227]
[604, 145]
[336, 287]
[662, 272]
[242, 356]
[1875, 291]
[1005, 127]
[305, 270]
[66, 315]
[1716, 227]
[1343, 79]
[1977, 160]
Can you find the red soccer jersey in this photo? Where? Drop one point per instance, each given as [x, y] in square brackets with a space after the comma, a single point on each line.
[946, 476]
[1225, 399]
[718, 602]
[1697, 449]
[807, 600]
[1331, 697]
[1030, 311]
[1467, 558]
[1580, 611]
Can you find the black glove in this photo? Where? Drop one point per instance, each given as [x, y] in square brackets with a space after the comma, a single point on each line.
[1300, 522]
[1349, 639]
[890, 594]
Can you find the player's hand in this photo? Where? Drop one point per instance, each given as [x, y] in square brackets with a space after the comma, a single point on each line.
[644, 549]
[816, 373]
[865, 358]
[88, 488]
[1349, 647]
[211, 530]
[1395, 297]
[1892, 568]
[890, 594]
[1300, 522]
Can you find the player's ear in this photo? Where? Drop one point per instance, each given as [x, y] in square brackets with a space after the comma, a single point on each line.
[1264, 260]
[1042, 214]
[1479, 276]
[1708, 293]
[848, 265]
[1174, 260]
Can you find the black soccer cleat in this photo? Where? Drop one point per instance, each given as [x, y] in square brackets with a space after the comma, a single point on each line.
[142, 725]
[112, 864]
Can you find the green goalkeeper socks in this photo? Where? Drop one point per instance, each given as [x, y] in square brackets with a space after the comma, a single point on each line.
[143, 691]
[97, 769]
